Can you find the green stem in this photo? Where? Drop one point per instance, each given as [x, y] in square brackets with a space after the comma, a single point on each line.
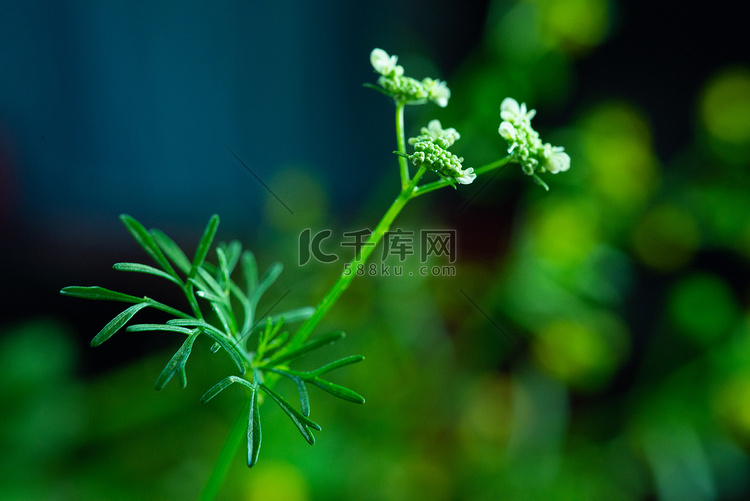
[493, 165]
[188, 290]
[401, 143]
[350, 271]
[407, 193]
[227, 454]
[442, 183]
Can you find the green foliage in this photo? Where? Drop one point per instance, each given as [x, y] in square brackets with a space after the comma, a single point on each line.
[257, 346]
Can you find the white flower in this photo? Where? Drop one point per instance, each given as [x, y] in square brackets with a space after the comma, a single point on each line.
[509, 108]
[444, 136]
[385, 64]
[557, 160]
[467, 176]
[437, 91]
[512, 112]
[434, 129]
[507, 131]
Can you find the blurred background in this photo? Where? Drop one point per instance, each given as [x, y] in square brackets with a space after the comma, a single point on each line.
[594, 342]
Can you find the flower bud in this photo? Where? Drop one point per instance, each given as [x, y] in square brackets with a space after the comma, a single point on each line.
[431, 150]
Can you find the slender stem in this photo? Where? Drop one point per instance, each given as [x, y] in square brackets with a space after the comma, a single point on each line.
[227, 454]
[401, 143]
[189, 291]
[435, 185]
[493, 165]
[442, 183]
[350, 271]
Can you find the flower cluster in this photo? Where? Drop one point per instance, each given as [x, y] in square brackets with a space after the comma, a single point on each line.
[404, 88]
[431, 150]
[525, 144]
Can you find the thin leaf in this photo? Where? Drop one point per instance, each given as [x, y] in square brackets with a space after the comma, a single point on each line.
[539, 181]
[250, 276]
[235, 289]
[218, 299]
[204, 245]
[116, 323]
[244, 303]
[158, 327]
[268, 278]
[223, 268]
[295, 315]
[237, 357]
[208, 296]
[177, 362]
[249, 272]
[342, 362]
[223, 384]
[144, 268]
[145, 240]
[218, 336]
[225, 317]
[233, 252]
[301, 422]
[254, 435]
[304, 397]
[338, 391]
[306, 348]
[99, 294]
[210, 268]
[270, 332]
[215, 287]
[183, 375]
[277, 341]
[172, 250]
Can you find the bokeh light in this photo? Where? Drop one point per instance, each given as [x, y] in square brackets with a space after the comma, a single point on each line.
[575, 24]
[702, 307]
[277, 481]
[725, 105]
[577, 219]
[580, 356]
[619, 156]
[666, 237]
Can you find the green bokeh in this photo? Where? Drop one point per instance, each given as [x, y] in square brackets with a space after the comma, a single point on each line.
[702, 307]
